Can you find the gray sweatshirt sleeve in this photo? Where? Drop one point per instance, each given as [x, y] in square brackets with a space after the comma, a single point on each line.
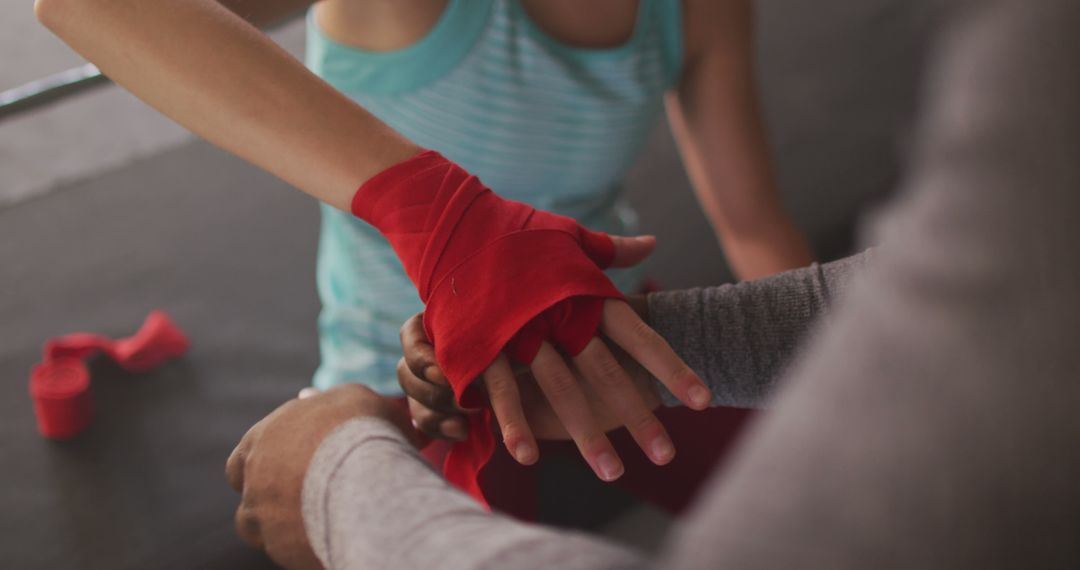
[370, 501]
[740, 337]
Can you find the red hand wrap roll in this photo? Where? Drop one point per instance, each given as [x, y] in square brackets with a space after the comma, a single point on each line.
[493, 274]
[61, 393]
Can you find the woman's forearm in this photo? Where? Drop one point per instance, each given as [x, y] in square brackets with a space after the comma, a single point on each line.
[739, 338]
[214, 73]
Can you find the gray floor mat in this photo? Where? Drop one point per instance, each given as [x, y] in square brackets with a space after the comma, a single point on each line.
[229, 253]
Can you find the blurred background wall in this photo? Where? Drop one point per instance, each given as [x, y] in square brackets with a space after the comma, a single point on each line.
[840, 83]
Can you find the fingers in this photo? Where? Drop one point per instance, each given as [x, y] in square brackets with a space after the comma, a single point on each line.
[630, 251]
[622, 325]
[234, 467]
[619, 393]
[437, 425]
[434, 412]
[439, 398]
[419, 353]
[506, 402]
[247, 527]
[419, 373]
[561, 389]
[247, 524]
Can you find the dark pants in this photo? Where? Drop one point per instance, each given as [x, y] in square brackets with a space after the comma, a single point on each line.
[702, 440]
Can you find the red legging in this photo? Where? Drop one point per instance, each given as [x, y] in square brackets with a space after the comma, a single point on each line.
[701, 439]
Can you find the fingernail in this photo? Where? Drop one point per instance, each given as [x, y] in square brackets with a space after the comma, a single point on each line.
[454, 429]
[700, 397]
[524, 453]
[433, 374]
[662, 450]
[609, 466]
[307, 392]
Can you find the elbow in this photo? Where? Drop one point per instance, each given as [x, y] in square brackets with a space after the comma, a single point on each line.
[53, 13]
[47, 12]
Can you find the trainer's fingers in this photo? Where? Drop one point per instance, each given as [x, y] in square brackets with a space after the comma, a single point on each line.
[622, 325]
[561, 389]
[435, 396]
[505, 400]
[237, 461]
[419, 352]
[630, 251]
[248, 527]
[622, 398]
[437, 425]
[234, 467]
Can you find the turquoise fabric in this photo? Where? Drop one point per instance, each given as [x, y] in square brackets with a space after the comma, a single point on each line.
[538, 121]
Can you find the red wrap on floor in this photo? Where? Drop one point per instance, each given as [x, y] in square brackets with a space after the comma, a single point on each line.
[60, 383]
[493, 274]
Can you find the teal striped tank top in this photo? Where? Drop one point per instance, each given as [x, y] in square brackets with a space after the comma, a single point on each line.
[538, 121]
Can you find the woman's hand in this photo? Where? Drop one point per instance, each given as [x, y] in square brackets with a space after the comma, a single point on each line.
[553, 402]
[269, 465]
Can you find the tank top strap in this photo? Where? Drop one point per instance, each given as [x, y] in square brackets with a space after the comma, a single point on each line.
[350, 68]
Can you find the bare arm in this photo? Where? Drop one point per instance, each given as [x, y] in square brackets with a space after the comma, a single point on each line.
[717, 123]
[216, 74]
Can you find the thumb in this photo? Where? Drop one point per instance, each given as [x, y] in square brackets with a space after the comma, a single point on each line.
[630, 251]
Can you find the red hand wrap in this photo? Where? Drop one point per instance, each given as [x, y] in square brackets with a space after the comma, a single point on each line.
[157, 340]
[60, 385]
[493, 274]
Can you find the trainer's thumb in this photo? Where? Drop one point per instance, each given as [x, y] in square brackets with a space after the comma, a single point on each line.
[630, 251]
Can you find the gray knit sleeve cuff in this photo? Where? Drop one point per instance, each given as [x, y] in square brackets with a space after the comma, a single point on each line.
[740, 337]
[325, 465]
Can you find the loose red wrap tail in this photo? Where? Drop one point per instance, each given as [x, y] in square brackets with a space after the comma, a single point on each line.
[493, 274]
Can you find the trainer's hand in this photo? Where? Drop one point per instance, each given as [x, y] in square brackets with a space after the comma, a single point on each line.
[558, 404]
[269, 465]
